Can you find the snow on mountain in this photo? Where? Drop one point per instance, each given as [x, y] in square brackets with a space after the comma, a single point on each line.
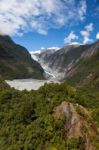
[38, 56]
[35, 54]
[45, 51]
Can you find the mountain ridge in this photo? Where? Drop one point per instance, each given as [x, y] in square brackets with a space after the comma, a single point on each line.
[64, 62]
[16, 62]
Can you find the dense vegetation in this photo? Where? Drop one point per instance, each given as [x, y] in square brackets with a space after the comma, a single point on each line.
[27, 121]
[16, 62]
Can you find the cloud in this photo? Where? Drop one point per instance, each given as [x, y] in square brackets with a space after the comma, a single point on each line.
[82, 10]
[97, 36]
[70, 37]
[18, 17]
[86, 33]
[89, 27]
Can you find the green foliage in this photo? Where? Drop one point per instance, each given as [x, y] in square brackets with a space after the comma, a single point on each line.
[3, 84]
[27, 121]
[74, 144]
[95, 115]
[88, 97]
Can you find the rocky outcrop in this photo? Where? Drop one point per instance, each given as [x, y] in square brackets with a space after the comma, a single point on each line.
[77, 123]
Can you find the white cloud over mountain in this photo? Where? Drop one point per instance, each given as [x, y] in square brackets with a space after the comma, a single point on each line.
[86, 33]
[97, 36]
[20, 16]
[70, 37]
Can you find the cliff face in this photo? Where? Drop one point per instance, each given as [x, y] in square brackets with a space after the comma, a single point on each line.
[16, 62]
[77, 124]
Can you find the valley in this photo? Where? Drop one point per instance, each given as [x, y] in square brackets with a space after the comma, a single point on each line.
[49, 75]
[65, 64]
[49, 99]
[73, 63]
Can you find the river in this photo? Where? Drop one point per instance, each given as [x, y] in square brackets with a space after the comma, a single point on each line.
[28, 84]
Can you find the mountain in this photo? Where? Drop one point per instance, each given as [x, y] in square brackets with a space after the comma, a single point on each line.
[35, 54]
[56, 116]
[41, 56]
[16, 62]
[86, 71]
[74, 62]
[59, 62]
[43, 53]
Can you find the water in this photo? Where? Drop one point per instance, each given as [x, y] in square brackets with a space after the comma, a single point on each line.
[28, 84]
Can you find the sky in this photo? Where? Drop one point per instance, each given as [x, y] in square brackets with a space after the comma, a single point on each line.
[38, 24]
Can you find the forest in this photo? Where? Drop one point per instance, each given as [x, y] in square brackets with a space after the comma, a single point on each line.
[27, 120]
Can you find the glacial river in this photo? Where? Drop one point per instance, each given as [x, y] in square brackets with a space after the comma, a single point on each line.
[28, 84]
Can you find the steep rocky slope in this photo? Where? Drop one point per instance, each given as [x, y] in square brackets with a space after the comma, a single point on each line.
[78, 123]
[73, 62]
[16, 62]
[41, 56]
[86, 71]
[59, 62]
